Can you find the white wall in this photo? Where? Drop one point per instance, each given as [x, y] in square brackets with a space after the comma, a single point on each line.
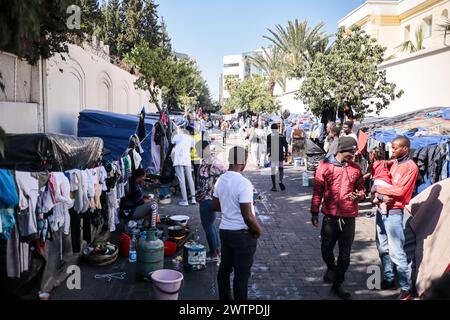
[424, 77]
[86, 81]
[19, 117]
[287, 98]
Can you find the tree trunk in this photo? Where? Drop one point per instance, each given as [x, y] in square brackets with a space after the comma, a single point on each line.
[271, 88]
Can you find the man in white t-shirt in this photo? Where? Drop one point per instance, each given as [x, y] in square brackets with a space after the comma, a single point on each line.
[182, 162]
[239, 229]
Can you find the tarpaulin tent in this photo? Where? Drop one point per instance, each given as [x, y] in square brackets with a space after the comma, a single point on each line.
[50, 152]
[115, 130]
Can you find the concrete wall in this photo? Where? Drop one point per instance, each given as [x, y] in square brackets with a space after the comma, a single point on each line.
[83, 80]
[424, 77]
[19, 117]
[287, 98]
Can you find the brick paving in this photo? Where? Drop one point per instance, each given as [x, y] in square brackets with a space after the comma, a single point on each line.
[288, 263]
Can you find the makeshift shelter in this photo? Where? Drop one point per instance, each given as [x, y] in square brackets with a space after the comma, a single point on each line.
[50, 152]
[40, 233]
[115, 130]
[430, 223]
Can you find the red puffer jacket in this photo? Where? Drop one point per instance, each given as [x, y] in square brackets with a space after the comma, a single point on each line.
[334, 182]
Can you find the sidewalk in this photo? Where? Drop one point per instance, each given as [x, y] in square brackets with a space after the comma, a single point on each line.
[288, 263]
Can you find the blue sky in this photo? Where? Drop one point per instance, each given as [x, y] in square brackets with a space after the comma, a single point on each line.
[210, 29]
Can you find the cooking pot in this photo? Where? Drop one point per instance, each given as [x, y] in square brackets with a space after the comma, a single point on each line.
[176, 231]
[179, 220]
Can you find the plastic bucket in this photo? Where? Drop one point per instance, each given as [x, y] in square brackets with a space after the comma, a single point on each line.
[167, 284]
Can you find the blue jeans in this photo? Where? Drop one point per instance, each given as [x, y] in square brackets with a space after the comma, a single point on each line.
[208, 217]
[390, 241]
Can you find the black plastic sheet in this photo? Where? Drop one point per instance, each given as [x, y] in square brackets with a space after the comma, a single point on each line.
[50, 152]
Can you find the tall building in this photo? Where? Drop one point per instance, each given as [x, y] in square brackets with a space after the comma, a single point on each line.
[239, 67]
[423, 75]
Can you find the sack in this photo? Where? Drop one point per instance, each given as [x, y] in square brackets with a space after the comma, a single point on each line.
[168, 171]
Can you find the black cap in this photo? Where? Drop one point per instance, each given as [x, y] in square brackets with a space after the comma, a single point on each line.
[346, 144]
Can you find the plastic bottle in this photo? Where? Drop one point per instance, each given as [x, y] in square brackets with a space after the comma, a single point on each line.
[132, 257]
[305, 179]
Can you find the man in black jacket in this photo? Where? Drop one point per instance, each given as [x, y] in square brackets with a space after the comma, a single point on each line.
[277, 150]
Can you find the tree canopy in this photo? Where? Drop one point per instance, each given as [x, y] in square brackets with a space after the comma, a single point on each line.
[349, 73]
[251, 95]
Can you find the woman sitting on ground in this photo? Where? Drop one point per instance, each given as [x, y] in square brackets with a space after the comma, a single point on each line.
[135, 205]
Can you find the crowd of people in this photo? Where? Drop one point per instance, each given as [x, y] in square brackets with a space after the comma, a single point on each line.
[340, 183]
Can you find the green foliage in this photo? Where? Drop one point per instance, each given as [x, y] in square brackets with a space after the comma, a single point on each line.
[271, 61]
[348, 72]
[33, 29]
[251, 95]
[300, 44]
[178, 80]
[409, 46]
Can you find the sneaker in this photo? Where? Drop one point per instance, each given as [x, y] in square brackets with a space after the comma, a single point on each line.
[212, 259]
[341, 293]
[405, 295]
[329, 276]
[388, 285]
[282, 187]
[193, 202]
[183, 203]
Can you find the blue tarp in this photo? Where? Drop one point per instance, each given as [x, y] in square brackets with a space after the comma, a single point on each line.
[387, 135]
[115, 130]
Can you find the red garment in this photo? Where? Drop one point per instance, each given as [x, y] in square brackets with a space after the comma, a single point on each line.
[334, 183]
[380, 171]
[404, 176]
[362, 142]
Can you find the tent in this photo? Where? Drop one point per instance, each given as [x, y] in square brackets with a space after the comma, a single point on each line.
[50, 152]
[115, 130]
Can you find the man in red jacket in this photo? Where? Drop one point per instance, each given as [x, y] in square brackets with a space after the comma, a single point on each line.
[339, 183]
[390, 235]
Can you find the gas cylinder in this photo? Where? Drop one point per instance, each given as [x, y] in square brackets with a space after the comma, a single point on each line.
[150, 255]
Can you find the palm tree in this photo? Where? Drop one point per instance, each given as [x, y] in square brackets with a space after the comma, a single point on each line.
[408, 46]
[445, 26]
[300, 44]
[271, 61]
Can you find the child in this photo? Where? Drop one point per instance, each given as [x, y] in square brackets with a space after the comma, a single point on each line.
[381, 176]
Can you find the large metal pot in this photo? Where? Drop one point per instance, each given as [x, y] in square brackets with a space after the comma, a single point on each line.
[177, 231]
[179, 220]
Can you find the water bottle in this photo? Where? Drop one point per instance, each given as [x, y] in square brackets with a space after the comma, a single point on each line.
[305, 179]
[132, 256]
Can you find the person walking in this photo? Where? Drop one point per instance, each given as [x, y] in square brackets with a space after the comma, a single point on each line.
[224, 127]
[209, 171]
[239, 229]
[390, 236]
[255, 137]
[182, 162]
[277, 150]
[339, 183]
[334, 141]
[347, 131]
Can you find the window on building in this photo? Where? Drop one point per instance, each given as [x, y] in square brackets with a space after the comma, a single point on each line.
[407, 35]
[427, 27]
[231, 65]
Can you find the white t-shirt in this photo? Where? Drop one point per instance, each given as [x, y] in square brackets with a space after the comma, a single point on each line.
[182, 150]
[202, 124]
[351, 135]
[232, 189]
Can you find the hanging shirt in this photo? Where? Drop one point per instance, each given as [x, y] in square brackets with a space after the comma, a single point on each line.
[28, 196]
[8, 193]
[61, 217]
[182, 151]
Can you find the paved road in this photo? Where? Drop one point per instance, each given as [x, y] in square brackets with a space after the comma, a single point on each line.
[288, 263]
